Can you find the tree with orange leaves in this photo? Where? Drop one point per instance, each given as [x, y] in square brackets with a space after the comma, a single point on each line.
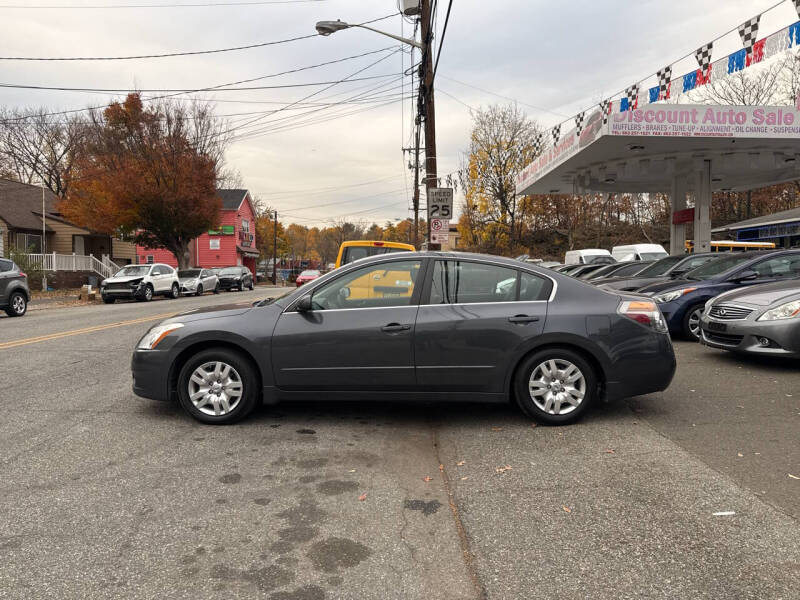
[151, 171]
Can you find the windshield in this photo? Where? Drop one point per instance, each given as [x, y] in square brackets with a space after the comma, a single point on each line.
[715, 267]
[230, 271]
[189, 273]
[630, 269]
[133, 270]
[652, 255]
[661, 267]
[692, 262]
[309, 274]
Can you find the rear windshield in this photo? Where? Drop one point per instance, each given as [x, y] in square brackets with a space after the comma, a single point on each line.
[715, 267]
[189, 273]
[352, 253]
[661, 267]
[652, 255]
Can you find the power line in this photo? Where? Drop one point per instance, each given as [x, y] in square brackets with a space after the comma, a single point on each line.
[173, 54]
[441, 40]
[475, 87]
[194, 5]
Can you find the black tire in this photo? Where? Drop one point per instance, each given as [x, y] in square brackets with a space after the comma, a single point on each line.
[17, 305]
[561, 356]
[216, 289]
[108, 300]
[689, 325]
[251, 285]
[147, 295]
[175, 291]
[247, 375]
[199, 290]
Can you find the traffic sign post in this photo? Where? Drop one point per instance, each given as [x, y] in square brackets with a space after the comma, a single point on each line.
[440, 210]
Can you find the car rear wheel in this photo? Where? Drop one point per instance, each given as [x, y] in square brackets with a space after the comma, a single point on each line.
[555, 386]
[691, 322]
[200, 290]
[17, 305]
[218, 386]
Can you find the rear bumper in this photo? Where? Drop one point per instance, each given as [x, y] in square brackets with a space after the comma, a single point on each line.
[650, 371]
[150, 370]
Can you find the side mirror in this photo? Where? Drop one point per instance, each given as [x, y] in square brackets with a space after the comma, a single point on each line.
[747, 275]
[304, 304]
[677, 274]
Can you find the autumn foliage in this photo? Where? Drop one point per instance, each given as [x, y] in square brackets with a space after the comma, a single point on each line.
[151, 171]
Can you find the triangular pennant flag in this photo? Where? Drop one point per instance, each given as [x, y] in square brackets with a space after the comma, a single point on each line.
[605, 108]
[703, 55]
[579, 123]
[748, 31]
[537, 144]
[664, 79]
[556, 133]
[631, 99]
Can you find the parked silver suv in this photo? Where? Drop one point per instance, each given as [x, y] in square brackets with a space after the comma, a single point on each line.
[14, 290]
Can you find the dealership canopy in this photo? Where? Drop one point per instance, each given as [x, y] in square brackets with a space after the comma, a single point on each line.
[675, 149]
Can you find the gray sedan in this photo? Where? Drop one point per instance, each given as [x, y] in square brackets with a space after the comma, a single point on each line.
[764, 319]
[425, 326]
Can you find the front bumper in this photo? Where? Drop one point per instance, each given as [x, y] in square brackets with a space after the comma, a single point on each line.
[122, 292]
[150, 370]
[745, 336]
[188, 289]
[229, 284]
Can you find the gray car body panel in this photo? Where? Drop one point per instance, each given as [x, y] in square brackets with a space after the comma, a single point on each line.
[783, 334]
[450, 351]
[11, 281]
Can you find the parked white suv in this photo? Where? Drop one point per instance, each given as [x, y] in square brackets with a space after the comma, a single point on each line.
[141, 282]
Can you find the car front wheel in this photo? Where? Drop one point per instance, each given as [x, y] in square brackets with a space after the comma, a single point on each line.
[555, 386]
[199, 290]
[218, 386]
[216, 289]
[175, 291]
[691, 322]
[108, 300]
[17, 305]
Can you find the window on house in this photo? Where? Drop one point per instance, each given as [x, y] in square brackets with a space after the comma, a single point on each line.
[149, 259]
[245, 225]
[29, 242]
[213, 244]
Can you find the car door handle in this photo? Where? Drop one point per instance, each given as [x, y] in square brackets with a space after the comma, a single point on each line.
[395, 328]
[522, 319]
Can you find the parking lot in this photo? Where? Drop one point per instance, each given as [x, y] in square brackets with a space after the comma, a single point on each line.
[689, 493]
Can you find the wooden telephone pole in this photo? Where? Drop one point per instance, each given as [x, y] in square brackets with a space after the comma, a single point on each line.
[428, 111]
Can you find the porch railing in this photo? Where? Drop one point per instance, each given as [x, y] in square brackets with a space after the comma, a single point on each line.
[74, 262]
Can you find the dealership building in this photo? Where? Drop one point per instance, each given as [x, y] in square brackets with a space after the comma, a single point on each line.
[782, 228]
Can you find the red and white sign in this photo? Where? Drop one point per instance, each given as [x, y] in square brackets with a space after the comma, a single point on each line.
[438, 225]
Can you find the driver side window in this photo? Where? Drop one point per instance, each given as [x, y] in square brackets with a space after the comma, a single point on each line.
[373, 286]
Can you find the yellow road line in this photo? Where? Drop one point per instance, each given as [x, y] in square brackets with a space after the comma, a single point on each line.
[63, 334]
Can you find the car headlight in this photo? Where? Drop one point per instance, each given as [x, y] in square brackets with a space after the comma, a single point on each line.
[674, 295]
[153, 337]
[784, 311]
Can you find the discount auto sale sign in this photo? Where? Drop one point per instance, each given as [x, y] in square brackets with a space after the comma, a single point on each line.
[708, 121]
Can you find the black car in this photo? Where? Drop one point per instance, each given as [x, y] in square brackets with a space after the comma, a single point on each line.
[425, 325]
[14, 291]
[665, 269]
[626, 269]
[235, 278]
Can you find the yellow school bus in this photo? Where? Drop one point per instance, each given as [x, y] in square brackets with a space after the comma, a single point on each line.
[353, 250]
[731, 246]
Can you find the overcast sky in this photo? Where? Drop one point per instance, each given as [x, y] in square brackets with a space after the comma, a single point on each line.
[554, 58]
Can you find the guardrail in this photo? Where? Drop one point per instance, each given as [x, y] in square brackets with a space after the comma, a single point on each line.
[74, 262]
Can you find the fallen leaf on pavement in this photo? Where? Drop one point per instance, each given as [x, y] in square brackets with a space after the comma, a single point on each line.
[503, 469]
[533, 425]
[362, 497]
[460, 463]
[441, 467]
[793, 476]
[497, 429]
[739, 454]
[352, 470]
[427, 478]
[609, 451]
[566, 509]
[464, 478]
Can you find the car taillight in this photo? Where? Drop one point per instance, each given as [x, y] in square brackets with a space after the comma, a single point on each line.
[645, 312]
[21, 274]
[377, 244]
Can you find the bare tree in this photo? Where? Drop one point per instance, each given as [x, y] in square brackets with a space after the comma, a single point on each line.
[760, 85]
[36, 147]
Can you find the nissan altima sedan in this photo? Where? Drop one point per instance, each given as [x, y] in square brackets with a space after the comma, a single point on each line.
[762, 320]
[420, 326]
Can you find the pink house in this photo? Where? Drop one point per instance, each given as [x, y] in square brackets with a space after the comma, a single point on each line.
[233, 242]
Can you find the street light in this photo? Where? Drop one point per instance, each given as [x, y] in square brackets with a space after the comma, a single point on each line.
[326, 28]
[423, 7]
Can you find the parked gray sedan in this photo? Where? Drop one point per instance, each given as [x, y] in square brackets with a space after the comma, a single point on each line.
[764, 319]
[426, 326]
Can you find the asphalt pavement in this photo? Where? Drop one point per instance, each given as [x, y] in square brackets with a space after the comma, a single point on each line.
[681, 494]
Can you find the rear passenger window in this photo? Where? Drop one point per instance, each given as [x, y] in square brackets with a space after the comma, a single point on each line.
[459, 282]
[533, 288]
[5, 265]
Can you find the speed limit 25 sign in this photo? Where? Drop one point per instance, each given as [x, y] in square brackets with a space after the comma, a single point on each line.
[440, 203]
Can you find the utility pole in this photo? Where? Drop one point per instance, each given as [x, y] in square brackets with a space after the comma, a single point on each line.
[44, 243]
[426, 92]
[275, 250]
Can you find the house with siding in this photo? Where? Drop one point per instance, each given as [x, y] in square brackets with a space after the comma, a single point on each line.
[21, 227]
[232, 242]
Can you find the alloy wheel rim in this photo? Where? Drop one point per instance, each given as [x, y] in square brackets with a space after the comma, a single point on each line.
[215, 388]
[694, 322]
[148, 293]
[557, 386]
[18, 304]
